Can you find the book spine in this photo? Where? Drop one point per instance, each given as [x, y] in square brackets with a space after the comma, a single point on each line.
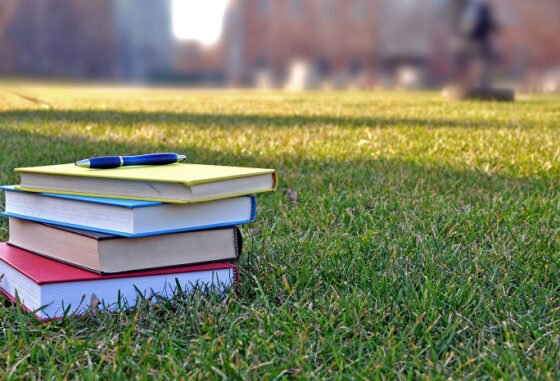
[274, 180]
[253, 208]
[237, 242]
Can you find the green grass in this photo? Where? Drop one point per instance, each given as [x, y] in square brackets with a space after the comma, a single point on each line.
[424, 241]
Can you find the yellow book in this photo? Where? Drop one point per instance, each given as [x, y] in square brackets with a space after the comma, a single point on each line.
[176, 183]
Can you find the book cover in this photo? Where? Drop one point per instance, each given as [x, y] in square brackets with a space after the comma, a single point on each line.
[187, 174]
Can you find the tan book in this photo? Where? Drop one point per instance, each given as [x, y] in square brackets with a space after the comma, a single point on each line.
[106, 253]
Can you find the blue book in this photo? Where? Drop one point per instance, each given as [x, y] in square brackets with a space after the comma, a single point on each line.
[127, 218]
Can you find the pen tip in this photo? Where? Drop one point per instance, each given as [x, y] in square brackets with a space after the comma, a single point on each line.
[181, 157]
[82, 163]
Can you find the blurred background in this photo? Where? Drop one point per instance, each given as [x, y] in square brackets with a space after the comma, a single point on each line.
[291, 44]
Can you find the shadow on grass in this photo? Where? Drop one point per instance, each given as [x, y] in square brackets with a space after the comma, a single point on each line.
[20, 148]
[315, 180]
[207, 120]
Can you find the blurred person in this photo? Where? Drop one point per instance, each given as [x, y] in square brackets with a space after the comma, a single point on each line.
[476, 52]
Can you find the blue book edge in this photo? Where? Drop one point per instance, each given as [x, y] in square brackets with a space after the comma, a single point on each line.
[253, 208]
[131, 235]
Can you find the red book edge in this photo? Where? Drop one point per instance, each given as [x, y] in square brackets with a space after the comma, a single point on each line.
[43, 270]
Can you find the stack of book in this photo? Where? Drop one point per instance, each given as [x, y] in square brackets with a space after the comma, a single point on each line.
[83, 238]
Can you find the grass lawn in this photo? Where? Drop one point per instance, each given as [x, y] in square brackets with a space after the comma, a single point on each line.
[424, 241]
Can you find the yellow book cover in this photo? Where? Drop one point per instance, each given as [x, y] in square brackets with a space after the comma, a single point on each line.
[188, 174]
[204, 182]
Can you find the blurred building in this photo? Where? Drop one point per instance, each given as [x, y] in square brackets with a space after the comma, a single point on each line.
[122, 39]
[405, 42]
[270, 43]
[198, 64]
[60, 38]
[412, 47]
[342, 42]
[529, 38]
[145, 46]
[335, 37]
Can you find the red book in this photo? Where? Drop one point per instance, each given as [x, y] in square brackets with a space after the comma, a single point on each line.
[52, 289]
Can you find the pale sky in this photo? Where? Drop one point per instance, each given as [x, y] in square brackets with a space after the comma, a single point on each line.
[199, 20]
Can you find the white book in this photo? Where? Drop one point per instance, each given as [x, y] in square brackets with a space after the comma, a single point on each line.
[128, 218]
